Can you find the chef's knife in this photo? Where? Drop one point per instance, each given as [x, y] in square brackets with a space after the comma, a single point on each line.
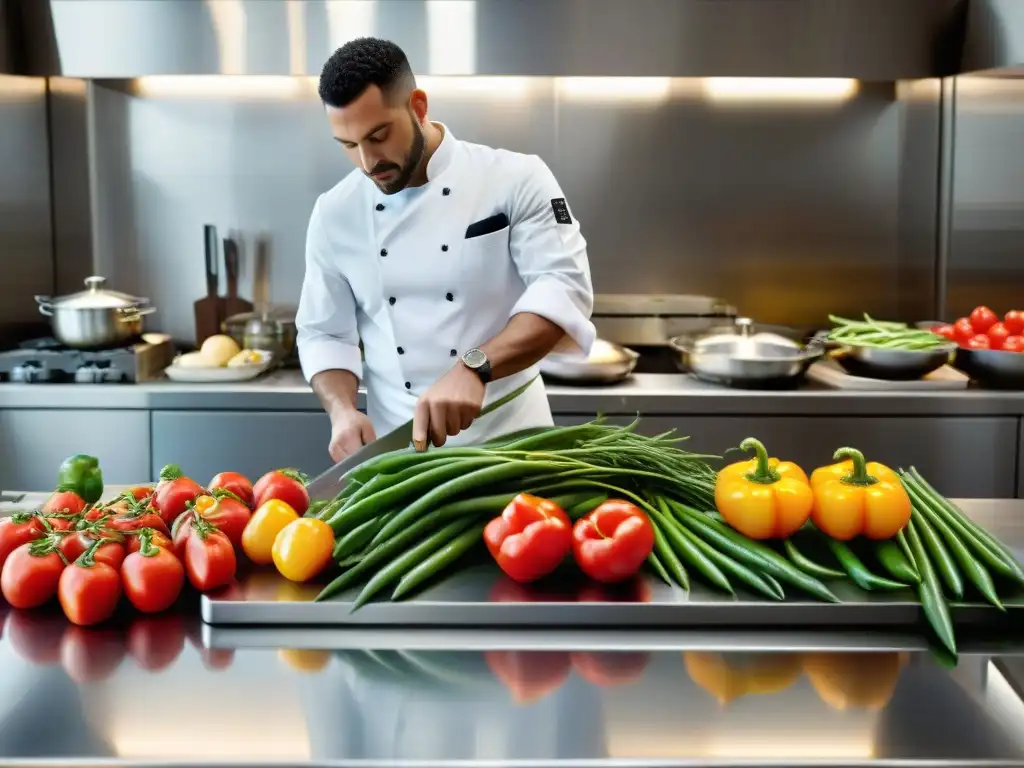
[329, 484]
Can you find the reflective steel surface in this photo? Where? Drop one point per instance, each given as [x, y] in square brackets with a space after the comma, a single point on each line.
[150, 691]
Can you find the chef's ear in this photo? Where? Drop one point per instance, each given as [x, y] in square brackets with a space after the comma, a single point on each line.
[418, 104]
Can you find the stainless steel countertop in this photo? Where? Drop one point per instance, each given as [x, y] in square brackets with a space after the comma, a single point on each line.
[650, 394]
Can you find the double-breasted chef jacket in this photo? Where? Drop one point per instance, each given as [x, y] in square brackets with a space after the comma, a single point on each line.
[425, 274]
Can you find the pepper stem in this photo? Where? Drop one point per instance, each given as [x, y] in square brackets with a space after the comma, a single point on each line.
[859, 476]
[763, 473]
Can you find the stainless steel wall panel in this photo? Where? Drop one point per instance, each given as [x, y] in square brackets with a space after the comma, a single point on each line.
[986, 255]
[868, 39]
[26, 262]
[993, 35]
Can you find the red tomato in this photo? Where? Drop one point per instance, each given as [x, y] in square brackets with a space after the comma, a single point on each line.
[237, 483]
[153, 579]
[180, 532]
[530, 539]
[609, 668]
[946, 331]
[530, 675]
[60, 522]
[31, 574]
[74, 544]
[16, 530]
[64, 503]
[137, 520]
[95, 513]
[133, 541]
[997, 334]
[141, 492]
[227, 513]
[963, 331]
[978, 342]
[287, 485]
[209, 557]
[174, 492]
[89, 593]
[36, 636]
[612, 542]
[982, 318]
[1014, 321]
[91, 654]
[1013, 344]
[156, 641]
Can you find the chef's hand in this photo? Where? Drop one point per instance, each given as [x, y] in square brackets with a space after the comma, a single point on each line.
[448, 407]
[350, 431]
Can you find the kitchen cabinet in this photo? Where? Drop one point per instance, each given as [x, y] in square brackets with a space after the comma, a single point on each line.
[963, 457]
[35, 441]
[204, 443]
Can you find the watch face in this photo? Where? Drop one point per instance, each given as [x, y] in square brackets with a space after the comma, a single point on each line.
[474, 358]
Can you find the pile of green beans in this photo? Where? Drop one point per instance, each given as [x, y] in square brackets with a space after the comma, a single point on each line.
[878, 333]
[404, 517]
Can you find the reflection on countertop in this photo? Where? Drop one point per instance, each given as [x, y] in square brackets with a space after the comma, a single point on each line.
[150, 690]
[661, 393]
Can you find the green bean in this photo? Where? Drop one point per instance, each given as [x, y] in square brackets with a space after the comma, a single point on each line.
[988, 547]
[658, 568]
[586, 507]
[730, 566]
[975, 571]
[940, 556]
[368, 488]
[895, 563]
[424, 483]
[929, 591]
[682, 542]
[359, 537]
[316, 507]
[751, 552]
[408, 559]
[440, 560]
[807, 565]
[665, 553]
[469, 506]
[901, 540]
[857, 571]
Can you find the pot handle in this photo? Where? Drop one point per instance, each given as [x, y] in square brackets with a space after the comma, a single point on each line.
[45, 305]
[130, 314]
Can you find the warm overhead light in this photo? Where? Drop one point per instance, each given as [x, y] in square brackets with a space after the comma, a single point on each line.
[249, 87]
[778, 88]
[296, 37]
[349, 19]
[615, 88]
[496, 87]
[228, 18]
[451, 36]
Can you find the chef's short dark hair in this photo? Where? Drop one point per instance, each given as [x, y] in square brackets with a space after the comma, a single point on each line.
[363, 62]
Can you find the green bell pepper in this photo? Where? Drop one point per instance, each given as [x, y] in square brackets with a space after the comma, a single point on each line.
[81, 473]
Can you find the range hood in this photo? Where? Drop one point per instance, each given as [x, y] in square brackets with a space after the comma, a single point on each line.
[864, 39]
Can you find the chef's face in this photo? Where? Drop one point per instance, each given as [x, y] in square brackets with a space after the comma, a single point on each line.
[384, 137]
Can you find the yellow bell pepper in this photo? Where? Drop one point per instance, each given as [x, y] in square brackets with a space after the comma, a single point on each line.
[763, 498]
[858, 498]
[303, 548]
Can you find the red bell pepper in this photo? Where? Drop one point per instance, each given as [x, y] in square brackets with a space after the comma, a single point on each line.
[613, 541]
[530, 538]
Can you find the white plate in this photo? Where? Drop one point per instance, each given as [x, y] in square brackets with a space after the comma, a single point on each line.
[217, 375]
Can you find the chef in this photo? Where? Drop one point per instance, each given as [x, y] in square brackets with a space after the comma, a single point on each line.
[458, 267]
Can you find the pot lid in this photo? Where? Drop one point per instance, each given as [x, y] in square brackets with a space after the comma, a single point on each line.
[742, 343]
[95, 296]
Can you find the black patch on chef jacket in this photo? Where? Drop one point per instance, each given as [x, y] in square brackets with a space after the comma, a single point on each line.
[561, 209]
[486, 226]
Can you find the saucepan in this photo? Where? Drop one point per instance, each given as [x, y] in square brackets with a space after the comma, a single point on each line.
[96, 317]
[607, 363]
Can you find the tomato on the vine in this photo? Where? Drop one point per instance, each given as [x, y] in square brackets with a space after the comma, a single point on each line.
[174, 492]
[153, 576]
[31, 573]
[20, 528]
[209, 557]
[237, 483]
[287, 485]
[89, 589]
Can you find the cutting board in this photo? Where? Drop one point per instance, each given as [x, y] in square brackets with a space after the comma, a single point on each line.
[209, 310]
[232, 304]
[831, 374]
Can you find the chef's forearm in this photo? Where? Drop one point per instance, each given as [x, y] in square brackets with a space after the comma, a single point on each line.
[336, 389]
[522, 342]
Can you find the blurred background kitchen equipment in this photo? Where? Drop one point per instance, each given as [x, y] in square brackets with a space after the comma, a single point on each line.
[233, 305]
[209, 310]
[607, 363]
[264, 326]
[95, 318]
[742, 358]
[891, 364]
[645, 323]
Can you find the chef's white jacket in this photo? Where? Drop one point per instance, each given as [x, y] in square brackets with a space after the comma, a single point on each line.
[427, 273]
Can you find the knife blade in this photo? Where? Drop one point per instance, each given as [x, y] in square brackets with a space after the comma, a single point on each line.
[329, 484]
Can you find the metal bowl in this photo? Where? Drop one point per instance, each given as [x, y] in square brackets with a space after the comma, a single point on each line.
[892, 364]
[992, 368]
[576, 369]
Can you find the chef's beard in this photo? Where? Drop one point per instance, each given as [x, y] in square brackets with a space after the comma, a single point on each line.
[408, 167]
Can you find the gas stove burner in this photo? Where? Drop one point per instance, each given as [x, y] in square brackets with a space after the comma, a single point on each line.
[30, 372]
[46, 361]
